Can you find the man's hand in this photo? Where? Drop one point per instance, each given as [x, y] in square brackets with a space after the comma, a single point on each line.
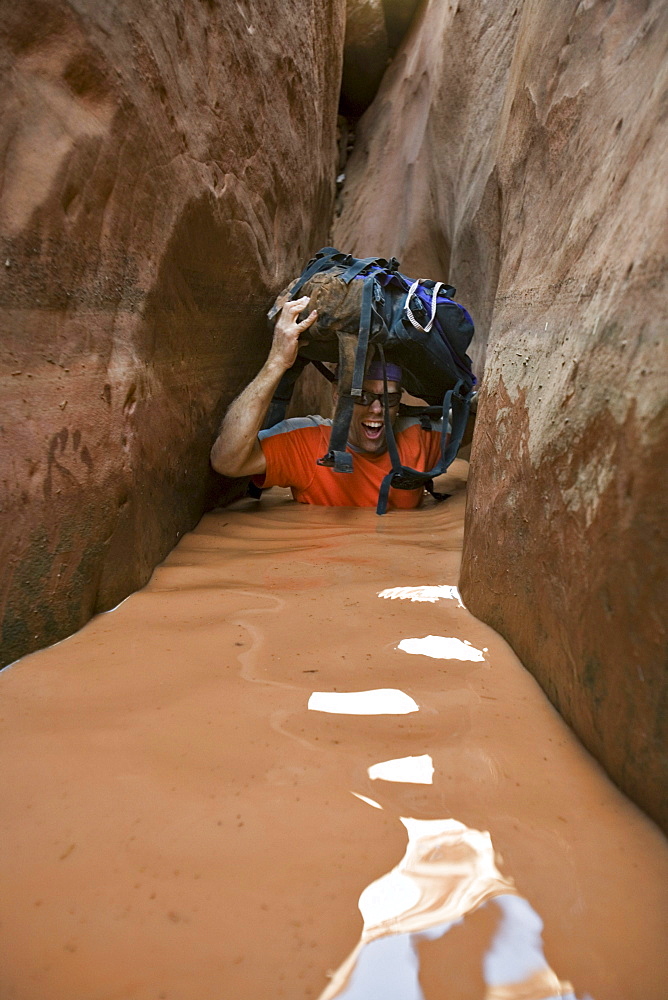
[287, 332]
[236, 451]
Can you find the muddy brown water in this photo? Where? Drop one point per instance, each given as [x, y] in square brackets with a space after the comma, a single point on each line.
[177, 822]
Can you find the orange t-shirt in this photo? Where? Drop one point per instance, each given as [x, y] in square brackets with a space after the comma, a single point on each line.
[292, 447]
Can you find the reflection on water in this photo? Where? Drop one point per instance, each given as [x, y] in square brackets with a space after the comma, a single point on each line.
[369, 802]
[381, 701]
[442, 647]
[428, 594]
[178, 824]
[418, 770]
[447, 872]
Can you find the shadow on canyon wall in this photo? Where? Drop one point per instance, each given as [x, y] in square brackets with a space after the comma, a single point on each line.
[157, 189]
[161, 181]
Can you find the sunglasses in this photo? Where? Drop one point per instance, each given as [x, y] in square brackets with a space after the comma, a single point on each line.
[367, 398]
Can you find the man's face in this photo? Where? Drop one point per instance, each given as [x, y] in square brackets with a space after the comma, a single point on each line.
[367, 427]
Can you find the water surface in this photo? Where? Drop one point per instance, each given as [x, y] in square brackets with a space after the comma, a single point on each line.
[177, 822]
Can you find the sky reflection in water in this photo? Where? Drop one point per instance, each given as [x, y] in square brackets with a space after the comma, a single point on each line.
[430, 594]
[447, 872]
[380, 701]
[442, 647]
[417, 770]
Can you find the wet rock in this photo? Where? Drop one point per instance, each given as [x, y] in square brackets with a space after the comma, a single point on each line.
[515, 151]
[157, 189]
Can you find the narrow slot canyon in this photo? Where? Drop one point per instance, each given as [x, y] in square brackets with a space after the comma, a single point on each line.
[260, 748]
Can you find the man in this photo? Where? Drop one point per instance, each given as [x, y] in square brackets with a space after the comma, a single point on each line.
[286, 455]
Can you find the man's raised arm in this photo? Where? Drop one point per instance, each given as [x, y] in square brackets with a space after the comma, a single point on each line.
[236, 451]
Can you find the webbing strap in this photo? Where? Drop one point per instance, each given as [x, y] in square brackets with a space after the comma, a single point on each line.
[359, 266]
[460, 406]
[320, 262]
[402, 476]
[434, 305]
[363, 337]
[384, 491]
[324, 370]
[283, 394]
[419, 411]
[337, 457]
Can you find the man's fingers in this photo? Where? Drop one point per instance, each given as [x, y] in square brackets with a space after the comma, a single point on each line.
[296, 305]
[289, 327]
[310, 319]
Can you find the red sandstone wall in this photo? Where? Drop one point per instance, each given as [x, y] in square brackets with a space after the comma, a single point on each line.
[520, 150]
[164, 170]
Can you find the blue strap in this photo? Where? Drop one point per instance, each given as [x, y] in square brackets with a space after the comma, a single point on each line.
[322, 260]
[460, 414]
[337, 457]
[360, 265]
[363, 337]
[338, 438]
[384, 492]
[402, 476]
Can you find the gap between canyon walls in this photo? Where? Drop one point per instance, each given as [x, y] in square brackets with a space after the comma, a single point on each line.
[515, 151]
[158, 188]
[164, 172]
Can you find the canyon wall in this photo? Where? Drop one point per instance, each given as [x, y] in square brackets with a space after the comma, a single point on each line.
[156, 188]
[520, 151]
[374, 29]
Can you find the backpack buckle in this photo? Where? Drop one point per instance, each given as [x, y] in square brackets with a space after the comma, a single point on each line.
[401, 481]
[340, 461]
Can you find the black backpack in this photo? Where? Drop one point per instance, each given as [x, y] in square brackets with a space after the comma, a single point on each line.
[415, 324]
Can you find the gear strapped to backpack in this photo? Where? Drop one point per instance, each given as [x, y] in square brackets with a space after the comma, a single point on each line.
[367, 304]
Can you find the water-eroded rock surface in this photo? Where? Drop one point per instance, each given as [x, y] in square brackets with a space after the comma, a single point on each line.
[164, 171]
[516, 150]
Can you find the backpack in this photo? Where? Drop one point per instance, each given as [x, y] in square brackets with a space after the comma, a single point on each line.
[367, 305]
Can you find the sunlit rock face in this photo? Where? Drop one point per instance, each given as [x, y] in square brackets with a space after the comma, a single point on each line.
[164, 171]
[518, 150]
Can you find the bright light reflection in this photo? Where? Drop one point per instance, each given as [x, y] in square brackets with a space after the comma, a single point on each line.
[447, 872]
[369, 802]
[388, 897]
[430, 594]
[381, 701]
[442, 647]
[417, 770]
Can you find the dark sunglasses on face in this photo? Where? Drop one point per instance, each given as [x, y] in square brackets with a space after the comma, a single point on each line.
[367, 398]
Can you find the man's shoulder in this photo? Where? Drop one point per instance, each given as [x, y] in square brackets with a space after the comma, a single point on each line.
[405, 423]
[295, 424]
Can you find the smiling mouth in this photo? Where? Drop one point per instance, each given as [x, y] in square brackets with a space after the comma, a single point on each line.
[372, 429]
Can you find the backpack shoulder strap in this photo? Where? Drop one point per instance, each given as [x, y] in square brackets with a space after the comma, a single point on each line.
[337, 457]
[352, 363]
[360, 265]
[403, 477]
